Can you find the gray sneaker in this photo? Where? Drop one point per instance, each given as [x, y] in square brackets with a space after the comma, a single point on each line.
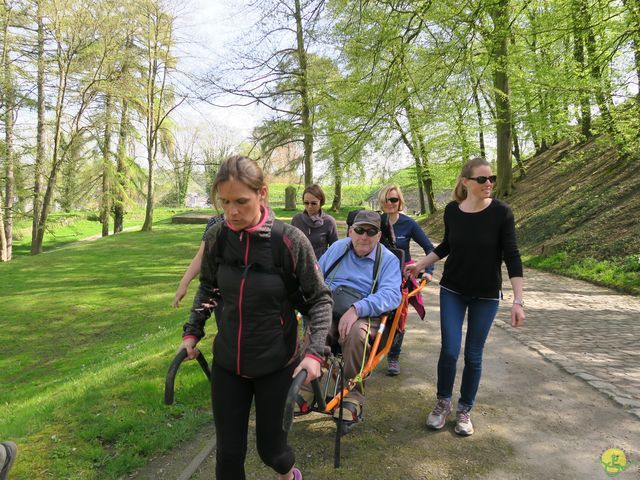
[438, 416]
[393, 367]
[464, 426]
[8, 453]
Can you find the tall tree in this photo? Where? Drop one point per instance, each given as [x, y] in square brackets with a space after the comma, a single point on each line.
[78, 68]
[499, 12]
[270, 67]
[158, 100]
[9, 113]
[40, 128]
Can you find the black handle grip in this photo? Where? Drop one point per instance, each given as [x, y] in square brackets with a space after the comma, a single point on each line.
[173, 370]
[292, 395]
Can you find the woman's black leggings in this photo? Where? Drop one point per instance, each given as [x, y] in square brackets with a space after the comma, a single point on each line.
[232, 396]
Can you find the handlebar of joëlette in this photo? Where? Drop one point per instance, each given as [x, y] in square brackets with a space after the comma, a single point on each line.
[173, 370]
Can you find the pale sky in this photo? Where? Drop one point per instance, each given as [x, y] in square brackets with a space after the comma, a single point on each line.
[205, 26]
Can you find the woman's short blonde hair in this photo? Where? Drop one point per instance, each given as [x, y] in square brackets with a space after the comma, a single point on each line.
[384, 191]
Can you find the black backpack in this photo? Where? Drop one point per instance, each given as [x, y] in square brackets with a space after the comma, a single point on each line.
[281, 262]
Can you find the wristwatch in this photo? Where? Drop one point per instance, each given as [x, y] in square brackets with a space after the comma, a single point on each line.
[518, 302]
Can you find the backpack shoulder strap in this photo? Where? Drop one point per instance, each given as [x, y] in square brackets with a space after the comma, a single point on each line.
[277, 245]
[221, 241]
[337, 261]
[376, 268]
[284, 265]
[282, 262]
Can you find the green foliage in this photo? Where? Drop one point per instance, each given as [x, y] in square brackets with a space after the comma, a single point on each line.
[621, 273]
[352, 195]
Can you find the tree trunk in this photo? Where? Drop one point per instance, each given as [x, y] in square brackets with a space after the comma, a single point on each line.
[418, 163]
[596, 75]
[516, 150]
[578, 56]
[422, 163]
[476, 101]
[105, 209]
[500, 17]
[36, 246]
[40, 134]
[462, 134]
[303, 85]
[148, 215]
[337, 191]
[120, 188]
[9, 101]
[3, 239]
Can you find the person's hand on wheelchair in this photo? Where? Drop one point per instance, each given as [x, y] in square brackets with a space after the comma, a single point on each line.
[189, 344]
[313, 368]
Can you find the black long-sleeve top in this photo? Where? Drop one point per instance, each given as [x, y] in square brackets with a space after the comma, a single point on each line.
[475, 245]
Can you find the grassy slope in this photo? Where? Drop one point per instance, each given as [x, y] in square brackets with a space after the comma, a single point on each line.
[64, 228]
[87, 336]
[577, 214]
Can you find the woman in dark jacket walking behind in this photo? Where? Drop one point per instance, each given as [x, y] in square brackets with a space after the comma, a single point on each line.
[256, 349]
[317, 226]
[479, 233]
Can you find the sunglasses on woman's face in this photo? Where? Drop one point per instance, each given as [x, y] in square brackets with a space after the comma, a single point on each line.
[482, 179]
[313, 204]
[393, 200]
[371, 232]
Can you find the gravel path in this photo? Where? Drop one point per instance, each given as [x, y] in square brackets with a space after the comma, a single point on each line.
[554, 396]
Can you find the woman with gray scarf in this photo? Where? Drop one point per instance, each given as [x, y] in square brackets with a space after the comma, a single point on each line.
[318, 227]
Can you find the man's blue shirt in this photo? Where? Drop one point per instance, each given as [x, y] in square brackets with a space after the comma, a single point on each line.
[357, 272]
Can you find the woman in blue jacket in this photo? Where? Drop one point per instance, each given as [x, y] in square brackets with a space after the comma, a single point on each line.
[404, 229]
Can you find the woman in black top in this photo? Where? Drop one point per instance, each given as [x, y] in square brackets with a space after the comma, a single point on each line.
[256, 348]
[479, 235]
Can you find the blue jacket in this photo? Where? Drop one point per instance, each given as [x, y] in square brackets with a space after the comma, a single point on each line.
[357, 272]
[406, 229]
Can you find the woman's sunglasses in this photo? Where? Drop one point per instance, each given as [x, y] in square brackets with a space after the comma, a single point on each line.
[313, 204]
[393, 200]
[371, 232]
[482, 179]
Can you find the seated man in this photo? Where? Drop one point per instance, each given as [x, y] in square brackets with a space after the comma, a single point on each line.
[366, 269]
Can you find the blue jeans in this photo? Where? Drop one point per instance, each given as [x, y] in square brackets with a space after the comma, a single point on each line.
[481, 312]
[396, 346]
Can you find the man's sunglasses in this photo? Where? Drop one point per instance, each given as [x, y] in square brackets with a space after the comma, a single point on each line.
[371, 232]
[393, 200]
[311, 203]
[482, 179]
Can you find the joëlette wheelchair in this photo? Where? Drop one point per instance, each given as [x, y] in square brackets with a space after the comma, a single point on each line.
[330, 391]
[328, 396]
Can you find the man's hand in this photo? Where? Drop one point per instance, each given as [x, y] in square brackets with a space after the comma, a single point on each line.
[346, 322]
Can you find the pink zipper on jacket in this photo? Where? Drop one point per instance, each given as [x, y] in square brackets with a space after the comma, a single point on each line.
[246, 260]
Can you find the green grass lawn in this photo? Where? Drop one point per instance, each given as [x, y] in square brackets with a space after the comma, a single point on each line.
[87, 335]
[64, 228]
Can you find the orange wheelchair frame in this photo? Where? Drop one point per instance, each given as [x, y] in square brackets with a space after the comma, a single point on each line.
[321, 402]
